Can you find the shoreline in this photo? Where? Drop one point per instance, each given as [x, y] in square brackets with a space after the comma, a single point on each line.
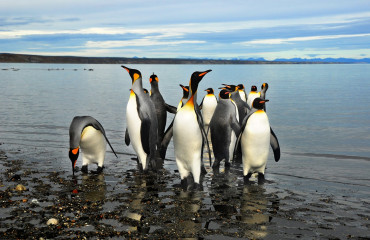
[122, 202]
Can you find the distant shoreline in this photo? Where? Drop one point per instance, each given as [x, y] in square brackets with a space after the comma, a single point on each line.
[25, 58]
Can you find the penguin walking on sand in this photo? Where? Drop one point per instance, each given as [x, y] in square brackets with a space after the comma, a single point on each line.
[225, 129]
[256, 136]
[189, 135]
[87, 134]
[142, 123]
[208, 106]
[252, 95]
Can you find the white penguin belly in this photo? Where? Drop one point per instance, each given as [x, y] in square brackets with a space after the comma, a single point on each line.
[255, 143]
[209, 106]
[242, 96]
[134, 127]
[232, 145]
[93, 146]
[187, 140]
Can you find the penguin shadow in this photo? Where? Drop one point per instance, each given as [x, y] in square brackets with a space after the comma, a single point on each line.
[190, 222]
[94, 186]
[224, 193]
[144, 190]
[257, 209]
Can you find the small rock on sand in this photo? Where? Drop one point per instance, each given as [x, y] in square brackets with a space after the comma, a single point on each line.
[52, 221]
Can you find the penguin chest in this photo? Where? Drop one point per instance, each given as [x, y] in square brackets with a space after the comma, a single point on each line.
[187, 136]
[93, 146]
[134, 127]
[256, 140]
[209, 106]
[243, 96]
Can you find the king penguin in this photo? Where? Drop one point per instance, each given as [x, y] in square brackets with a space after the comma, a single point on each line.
[242, 106]
[189, 135]
[87, 133]
[169, 132]
[224, 128]
[208, 106]
[242, 93]
[263, 91]
[252, 95]
[142, 123]
[255, 137]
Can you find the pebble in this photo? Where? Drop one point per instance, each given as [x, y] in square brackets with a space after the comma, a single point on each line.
[20, 187]
[52, 221]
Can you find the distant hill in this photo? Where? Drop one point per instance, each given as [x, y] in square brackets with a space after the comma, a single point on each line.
[25, 58]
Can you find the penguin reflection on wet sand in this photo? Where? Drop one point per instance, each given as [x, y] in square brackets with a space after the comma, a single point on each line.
[142, 123]
[87, 133]
[256, 136]
[224, 128]
[189, 135]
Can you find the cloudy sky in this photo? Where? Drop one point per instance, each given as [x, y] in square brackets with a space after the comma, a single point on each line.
[267, 29]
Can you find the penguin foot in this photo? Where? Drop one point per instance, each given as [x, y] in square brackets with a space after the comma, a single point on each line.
[84, 169]
[246, 178]
[197, 187]
[203, 170]
[98, 171]
[184, 184]
[227, 165]
[261, 178]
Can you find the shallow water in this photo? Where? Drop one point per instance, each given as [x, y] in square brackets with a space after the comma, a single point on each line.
[320, 114]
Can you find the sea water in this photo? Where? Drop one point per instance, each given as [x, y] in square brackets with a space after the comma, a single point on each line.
[319, 112]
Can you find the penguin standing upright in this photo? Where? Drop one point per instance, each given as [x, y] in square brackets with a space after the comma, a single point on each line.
[263, 91]
[252, 95]
[242, 106]
[142, 123]
[224, 128]
[255, 137]
[208, 106]
[242, 93]
[87, 133]
[160, 105]
[189, 134]
[169, 132]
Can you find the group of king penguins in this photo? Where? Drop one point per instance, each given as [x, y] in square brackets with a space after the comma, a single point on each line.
[236, 122]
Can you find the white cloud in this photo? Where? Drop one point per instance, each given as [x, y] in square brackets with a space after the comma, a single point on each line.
[301, 39]
[136, 42]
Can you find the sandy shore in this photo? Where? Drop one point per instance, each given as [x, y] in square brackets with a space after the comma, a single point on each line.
[122, 203]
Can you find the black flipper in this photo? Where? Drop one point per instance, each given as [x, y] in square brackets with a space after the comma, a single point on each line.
[242, 127]
[127, 138]
[98, 126]
[275, 145]
[166, 140]
[144, 134]
[171, 109]
[204, 135]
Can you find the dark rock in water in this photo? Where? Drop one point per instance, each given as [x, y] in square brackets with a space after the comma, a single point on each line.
[15, 177]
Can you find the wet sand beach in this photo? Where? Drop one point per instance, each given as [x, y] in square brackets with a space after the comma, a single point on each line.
[123, 203]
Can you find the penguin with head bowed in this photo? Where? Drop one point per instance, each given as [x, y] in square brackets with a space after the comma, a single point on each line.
[224, 128]
[242, 93]
[208, 106]
[87, 134]
[252, 95]
[189, 135]
[169, 131]
[242, 106]
[142, 123]
[255, 137]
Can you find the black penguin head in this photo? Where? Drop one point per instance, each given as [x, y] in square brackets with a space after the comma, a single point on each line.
[185, 91]
[231, 88]
[73, 155]
[259, 103]
[264, 86]
[153, 78]
[209, 90]
[195, 79]
[224, 94]
[134, 74]
[241, 86]
[253, 88]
